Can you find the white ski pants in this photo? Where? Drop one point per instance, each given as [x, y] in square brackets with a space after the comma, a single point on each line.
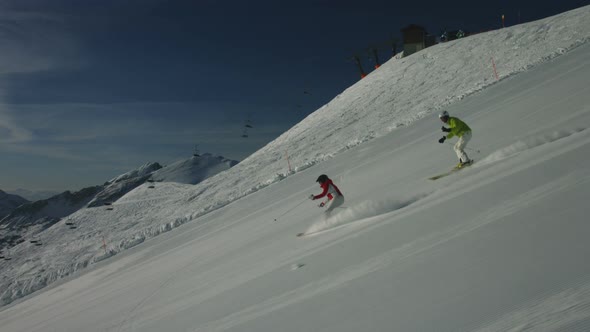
[460, 146]
[334, 203]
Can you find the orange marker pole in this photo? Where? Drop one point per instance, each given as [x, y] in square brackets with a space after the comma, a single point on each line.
[288, 161]
[495, 71]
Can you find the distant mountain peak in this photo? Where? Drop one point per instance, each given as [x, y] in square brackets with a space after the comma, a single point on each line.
[190, 171]
[9, 203]
[32, 195]
[143, 170]
[194, 170]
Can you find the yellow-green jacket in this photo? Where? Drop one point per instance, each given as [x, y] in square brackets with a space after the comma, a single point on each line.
[458, 127]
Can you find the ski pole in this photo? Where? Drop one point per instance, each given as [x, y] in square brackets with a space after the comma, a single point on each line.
[291, 209]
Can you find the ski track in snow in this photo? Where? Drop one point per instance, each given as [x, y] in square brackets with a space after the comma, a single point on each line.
[358, 213]
[399, 255]
[526, 144]
[564, 311]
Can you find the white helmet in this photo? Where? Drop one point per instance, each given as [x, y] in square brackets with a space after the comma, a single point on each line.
[444, 114]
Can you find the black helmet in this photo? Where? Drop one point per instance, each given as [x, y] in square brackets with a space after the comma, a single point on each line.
[322, 178]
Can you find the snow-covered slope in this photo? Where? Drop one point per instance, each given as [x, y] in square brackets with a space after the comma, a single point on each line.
[31, 221]
[499, 246]
[124, 183]
[194, 170]
[188, 171]
[32, 218]
[53, 208]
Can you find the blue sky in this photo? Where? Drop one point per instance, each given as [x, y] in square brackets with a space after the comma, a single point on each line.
[91, 89]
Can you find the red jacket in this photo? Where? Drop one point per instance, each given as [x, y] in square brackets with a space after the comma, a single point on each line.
[330, 189]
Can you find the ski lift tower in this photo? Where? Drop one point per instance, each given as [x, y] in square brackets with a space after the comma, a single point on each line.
[357, 60]
[393, 44]
[373, 52]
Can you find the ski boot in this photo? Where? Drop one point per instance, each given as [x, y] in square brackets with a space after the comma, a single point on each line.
[465, 164]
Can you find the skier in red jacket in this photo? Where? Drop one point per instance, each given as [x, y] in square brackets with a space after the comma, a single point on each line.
[335, 197]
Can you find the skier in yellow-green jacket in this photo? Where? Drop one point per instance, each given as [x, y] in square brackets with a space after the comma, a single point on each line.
[462, 131]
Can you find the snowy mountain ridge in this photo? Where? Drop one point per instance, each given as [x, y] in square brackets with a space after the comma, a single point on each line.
[32, 218]
[188, 171]
[194, 169]
[9, 202]
[487, 235]
[28, 219]
[143, 171]
[31, 195]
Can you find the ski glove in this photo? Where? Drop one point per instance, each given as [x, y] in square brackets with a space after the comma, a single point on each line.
[322, 204]
[446, 130]
[312, 197]
[442, 140]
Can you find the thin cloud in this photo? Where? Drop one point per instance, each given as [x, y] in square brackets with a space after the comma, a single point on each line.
[55, 152]
[11, 133]
[33, 42]
[30, 42]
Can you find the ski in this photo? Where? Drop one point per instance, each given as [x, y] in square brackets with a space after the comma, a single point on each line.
[436, 177]
[312, 233]
[455, 169]
[306, 234]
